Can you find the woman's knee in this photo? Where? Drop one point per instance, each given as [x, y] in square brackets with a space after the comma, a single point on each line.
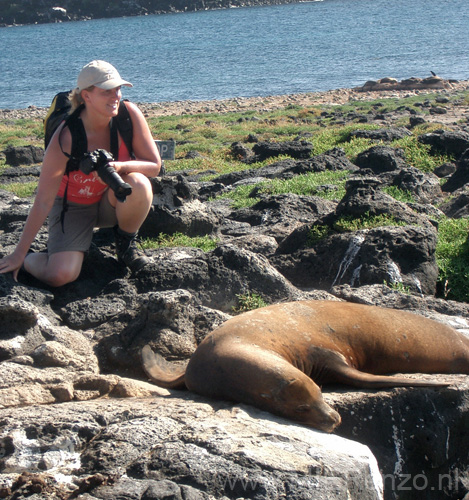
[141, 188]
[60, 277]
[138, 180]
[140, 183]
[141, 196]
[61, 271]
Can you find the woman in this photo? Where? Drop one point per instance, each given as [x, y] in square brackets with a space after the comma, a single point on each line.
[90, 201]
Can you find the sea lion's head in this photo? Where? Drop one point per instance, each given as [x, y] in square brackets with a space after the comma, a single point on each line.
[318, 415]
[301, 400]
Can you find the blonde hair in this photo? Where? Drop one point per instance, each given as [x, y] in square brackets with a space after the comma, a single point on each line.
[76, 98]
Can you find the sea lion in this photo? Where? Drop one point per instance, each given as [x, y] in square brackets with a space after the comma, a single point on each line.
[275, 357]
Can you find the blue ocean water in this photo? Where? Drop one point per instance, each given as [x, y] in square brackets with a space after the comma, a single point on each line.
[271, 50]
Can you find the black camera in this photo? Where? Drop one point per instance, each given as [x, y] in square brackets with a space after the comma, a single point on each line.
[98, 161]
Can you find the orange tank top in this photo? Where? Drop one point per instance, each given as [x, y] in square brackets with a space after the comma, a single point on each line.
[88, 189]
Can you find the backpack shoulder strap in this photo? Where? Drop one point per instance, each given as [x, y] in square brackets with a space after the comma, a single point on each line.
[79, 140]
[123, 124]
[78, 150]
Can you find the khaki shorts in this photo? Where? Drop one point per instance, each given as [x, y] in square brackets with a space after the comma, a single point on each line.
[79, 222]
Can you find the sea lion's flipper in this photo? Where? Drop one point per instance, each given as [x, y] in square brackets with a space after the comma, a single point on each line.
[348, 375]
[335, 369]
[162, 372]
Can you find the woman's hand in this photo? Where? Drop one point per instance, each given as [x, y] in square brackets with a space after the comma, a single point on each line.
[11, 263]
[119, 167]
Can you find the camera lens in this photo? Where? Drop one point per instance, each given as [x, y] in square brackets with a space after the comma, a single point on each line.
[109, 175]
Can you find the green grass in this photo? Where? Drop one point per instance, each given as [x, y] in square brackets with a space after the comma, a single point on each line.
[418, 155]
[310, 185]
[22, 190]
[339, 136]
[305, 185]
[206, 243]
[399, 194]
[366, 221]
[241, 197]
[350, 224]
[21, 132]
[452, 255]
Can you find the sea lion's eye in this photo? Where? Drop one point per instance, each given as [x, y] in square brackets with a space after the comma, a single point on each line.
[303, 408]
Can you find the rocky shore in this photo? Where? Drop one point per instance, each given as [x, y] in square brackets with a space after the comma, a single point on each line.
[270, 103]
[78, 417]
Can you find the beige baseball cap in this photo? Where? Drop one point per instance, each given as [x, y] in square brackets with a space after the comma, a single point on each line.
[100, 74]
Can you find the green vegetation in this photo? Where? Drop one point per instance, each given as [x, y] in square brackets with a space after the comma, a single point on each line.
[366, 221]
[317, 233]
[247, 302]
[20, 189]
[211, 135]
[21, 132]
[350, 224]
[311, 184]
[206, 243]
[418, 155]
[399, 194]
[453, 259]
[328, 185]
[241, 197]
[398, 286]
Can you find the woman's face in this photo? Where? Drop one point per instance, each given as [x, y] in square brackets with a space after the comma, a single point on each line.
[103, 101]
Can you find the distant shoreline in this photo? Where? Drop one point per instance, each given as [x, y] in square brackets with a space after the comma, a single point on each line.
[259, 104]
[21, 13]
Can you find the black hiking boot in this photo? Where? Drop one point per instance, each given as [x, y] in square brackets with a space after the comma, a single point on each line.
[127, 251]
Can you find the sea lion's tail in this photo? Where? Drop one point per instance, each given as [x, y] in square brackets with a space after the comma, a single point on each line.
[162, 372]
